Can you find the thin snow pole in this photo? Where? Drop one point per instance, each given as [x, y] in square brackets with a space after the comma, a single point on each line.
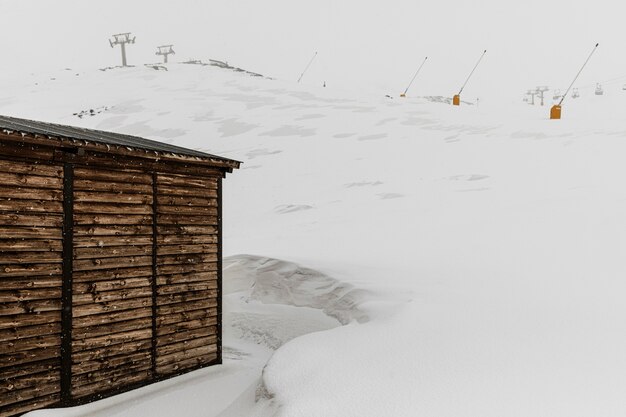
[469, 76]
[307, 67]
[413, 79]
[577, 75]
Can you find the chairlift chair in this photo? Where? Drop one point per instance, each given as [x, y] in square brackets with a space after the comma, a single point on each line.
[599, 90]
[557, 95]
[575, 93]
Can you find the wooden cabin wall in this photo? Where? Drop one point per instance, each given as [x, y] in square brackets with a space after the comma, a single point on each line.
[112, 280]
[187, 272]
[31, 227]
[144, 274]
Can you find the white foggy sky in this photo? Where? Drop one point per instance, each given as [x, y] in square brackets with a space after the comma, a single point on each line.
[370, 45]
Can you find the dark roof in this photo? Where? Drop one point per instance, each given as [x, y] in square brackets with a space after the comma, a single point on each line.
[98, 136]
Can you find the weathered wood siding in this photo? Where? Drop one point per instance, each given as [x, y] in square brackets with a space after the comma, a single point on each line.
[31, 227]
[112, 280]
[144, 277]
[186, 266]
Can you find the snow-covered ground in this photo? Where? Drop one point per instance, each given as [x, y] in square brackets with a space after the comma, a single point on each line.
[463, 261]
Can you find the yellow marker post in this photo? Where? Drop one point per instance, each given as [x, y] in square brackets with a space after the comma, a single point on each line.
[555, 111]
[456, 100]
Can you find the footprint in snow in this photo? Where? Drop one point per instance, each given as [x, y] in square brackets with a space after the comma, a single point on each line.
[373, 137]
[390, 196]
[291, 208]
[261, 152]
[343, 135]
[363, 184]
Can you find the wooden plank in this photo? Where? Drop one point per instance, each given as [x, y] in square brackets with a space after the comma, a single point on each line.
[182, 365]
[186, 345]
[183, 288]
[117, 284]
[30, 331]
[29, 270]
[29, 180]
[112, 274]
[182, 269]
[188, 239]
[83, 389]
[24, 232]
[121, 361]
[12, 296]
[8, 386]
[110, 318]
[187, 181]
[105, 329]
[186, 297]
[21, 150]
[27, 307]
[186, 192]
[108, 296]
[50, 366]
[204, 313]
[110, 339]
[186, 330]
[181, 335]
[168, 309]
[185, 278]
[185, 249]
[80, 231]
[31, 168]
[171, 200]
[112, 219]
[30, 405]
[187, 211]
[110, 307]
[22, 193]
[103, 352]
[112, 252]
[186, 354]
[113, 176]
[109, 374]
[18, 358]
[29, 319]
[30, 206]
[177, 219]
[52, 388]
[111, 186]
[190, 258]
[31, 343]
[30, 245]
[106, 241]
[13, 258]
[48, 220]
[185, 230]
[104, 197]
[111, 263]
[104, 208]
[30, 283]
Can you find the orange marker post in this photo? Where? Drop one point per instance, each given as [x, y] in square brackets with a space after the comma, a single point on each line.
[456, 100]
[555, 111]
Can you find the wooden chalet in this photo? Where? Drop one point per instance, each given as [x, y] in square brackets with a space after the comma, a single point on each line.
[110, 263]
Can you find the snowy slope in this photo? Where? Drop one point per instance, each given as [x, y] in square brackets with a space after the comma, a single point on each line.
[488, 238]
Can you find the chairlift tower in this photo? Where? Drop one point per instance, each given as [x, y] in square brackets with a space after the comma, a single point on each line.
[541, 90]
[532, 95]
[165, 50]
[122, 39]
